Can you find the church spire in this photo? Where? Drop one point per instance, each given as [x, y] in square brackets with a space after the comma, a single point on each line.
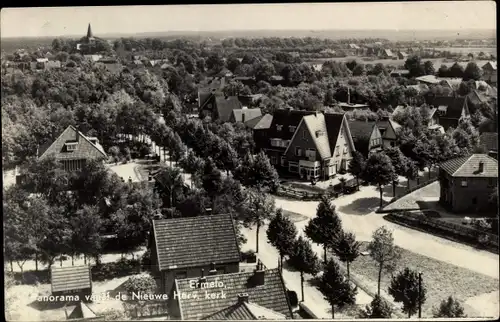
[89, 32]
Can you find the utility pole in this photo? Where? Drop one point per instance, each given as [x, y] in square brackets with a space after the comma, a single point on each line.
[419, 295]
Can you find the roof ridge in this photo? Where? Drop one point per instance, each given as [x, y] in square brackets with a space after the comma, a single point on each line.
[186, 218]
[463, 163]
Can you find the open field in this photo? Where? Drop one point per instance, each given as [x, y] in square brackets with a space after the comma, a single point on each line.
[466, 50]
[441, 280]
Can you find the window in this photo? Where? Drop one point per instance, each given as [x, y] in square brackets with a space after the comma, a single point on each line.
[311, 153]
[275, 142]
[293, 167]
[304, 134]
[292, 128]
[345, 149]
[283, 160]
[71, 146]
[337, 149]
[279, 127]
[464, 183]
[273, 160]
[298, 151]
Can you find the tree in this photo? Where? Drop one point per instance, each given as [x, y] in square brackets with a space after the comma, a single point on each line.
[258, 208]
[380, 171]
[383, 251]
[414, 65]
[281, 233]
[456, 70]
[346, 248]
[114, 151]
[144, 284]
[449, 308]
[335, 288]
[378, 309]
[304, 259]
[411, 171]
[325, 227]
[405, 288]
[215, 63]
[257, 171]
[168, 184]
[85, 228]
[357, 166]
[398, 160]
[472, 71]
[211, 179]
[429, 68]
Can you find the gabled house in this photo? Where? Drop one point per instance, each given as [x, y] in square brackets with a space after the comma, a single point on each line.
[71, 280]
[402, 55]
[245, 114]
[489, 140]
[73, 149]
[366, 136]
[476, 98]
[218, 106]
[389, 131]
[490, 72]
[256, 295]
[386, 54]
[186, 247]
[467, 183]
[450, 110]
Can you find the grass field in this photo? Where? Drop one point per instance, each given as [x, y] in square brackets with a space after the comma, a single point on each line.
[441, 280]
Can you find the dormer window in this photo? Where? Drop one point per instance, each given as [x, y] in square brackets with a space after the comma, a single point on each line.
[292, 128]
[71, 146]
[279, 127]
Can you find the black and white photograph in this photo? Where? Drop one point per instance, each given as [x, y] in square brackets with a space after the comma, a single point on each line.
[306, 161]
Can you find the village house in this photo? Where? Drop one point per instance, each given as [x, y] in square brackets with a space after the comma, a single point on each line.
[402, 55]
[450, 110]
[312, 145]
[389, 131]
[186, 247]
[489, 140]
[218, 106]
[386, 54]
[476, 98]
[73, 149]
[490, 72]
[467, 183]
[256, 295]
[366, 136]
[73, 281]
[244, 114]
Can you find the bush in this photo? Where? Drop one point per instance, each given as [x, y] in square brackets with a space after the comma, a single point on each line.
[140, 284]
[121, 268]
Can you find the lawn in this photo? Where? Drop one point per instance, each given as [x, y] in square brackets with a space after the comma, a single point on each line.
[293, 216]
[441, 279]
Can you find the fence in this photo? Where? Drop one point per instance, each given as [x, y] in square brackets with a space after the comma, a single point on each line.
[295, 191]
[421, 185]
[444, 229]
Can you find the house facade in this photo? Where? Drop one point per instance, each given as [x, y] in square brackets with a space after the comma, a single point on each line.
[450, 110]
[73, 149]
[389, 132]
[467, 183]
[310, 145]
[190, 247]
[366, 137]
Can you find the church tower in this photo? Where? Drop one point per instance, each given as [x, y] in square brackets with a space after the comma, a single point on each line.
[90, 36]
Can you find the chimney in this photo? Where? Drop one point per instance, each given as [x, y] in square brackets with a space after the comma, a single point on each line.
[202, 273]
[243, 298]
[259, 274]
[348, 96]
[212, 270]
[481, 167]
[242, 117]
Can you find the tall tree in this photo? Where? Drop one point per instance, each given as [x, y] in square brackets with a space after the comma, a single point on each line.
[168, 184]
[398, 160]
[429, 68]
[411, 171]
[211, 179]
[380, 171]
[472, 71]
[258, 208]
[336, 288]
[405, 289]
[326, 227]
[346, 248]
[383, 251]
[304, 259]
[281, 233]
[450, 308]
[356, 166]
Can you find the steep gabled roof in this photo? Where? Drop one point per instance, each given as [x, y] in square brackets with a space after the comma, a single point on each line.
[285, 118]
[491, 65]
[317, 128]
[226, 105]
[454, 105]
[468, 166]
[249, 113]
[195, 241]
[271, 295]
[262, 122]
[361, 132]
[85, 150]
[333, 126]
[70, 278]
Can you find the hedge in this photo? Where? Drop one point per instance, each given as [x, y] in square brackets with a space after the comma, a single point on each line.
[444, 229]
[121, 268]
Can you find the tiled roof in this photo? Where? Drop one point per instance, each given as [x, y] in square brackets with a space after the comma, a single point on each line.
[490, 65]
[361, 132]
[271, 294]
[285, 118]
[225, 106]
[489, 140]
[333, 125]
[85, 149]
[454, 104]
[249, 113]
[245, 311]
[317, 129]
[196, 241]
[82, 311]
[260, 123]
[468, 166]
[70, 278]
[475, 97]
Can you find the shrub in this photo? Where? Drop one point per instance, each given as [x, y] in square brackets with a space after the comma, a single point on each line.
[140, 284]
[121, 268]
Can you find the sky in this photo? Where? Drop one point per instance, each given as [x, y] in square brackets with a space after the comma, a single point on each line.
[425, 15]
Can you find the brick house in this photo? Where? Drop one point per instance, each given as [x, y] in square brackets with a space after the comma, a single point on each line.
[389, 131]
[309, 144]
[185, 247]
[468, 182]
[257, 295]
[73, 149]
[366, 136]
[450, 110]
[71, 281]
